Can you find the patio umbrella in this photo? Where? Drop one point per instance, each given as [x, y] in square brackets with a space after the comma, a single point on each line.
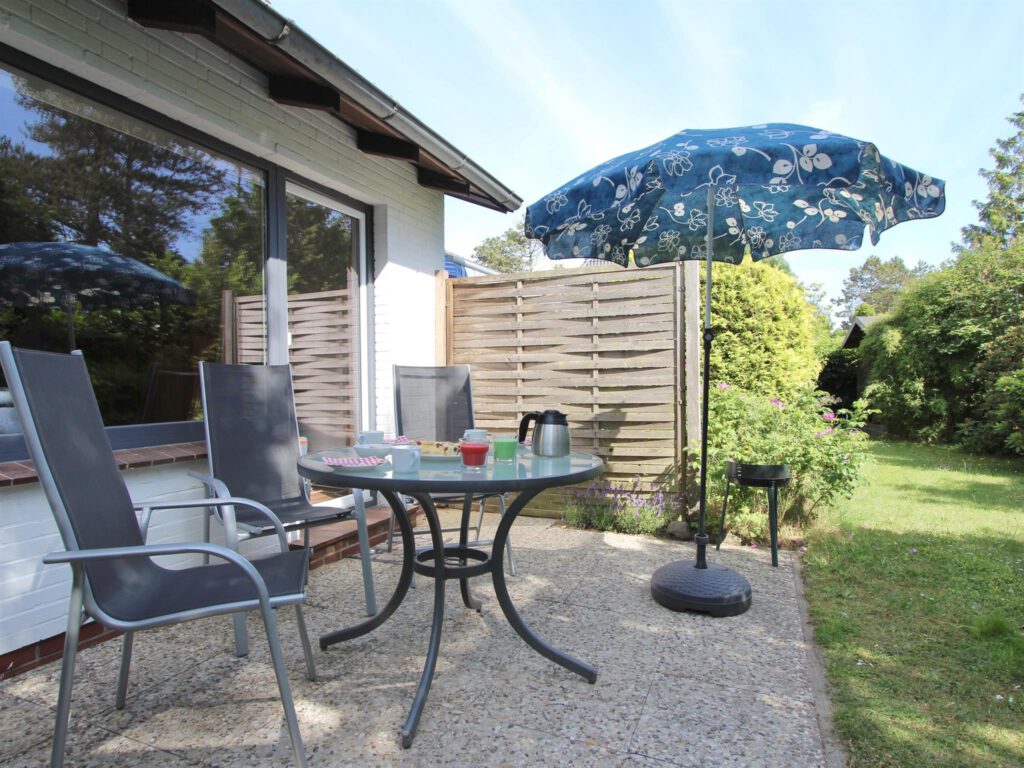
[71, 274]
[713, 195]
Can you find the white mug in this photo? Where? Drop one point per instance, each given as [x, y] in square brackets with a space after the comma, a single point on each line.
[405, 458]
[475, 435]
[370, 438]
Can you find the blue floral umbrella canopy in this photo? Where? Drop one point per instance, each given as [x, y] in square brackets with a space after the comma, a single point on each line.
[776, 187]
[70, 274]
[714, 195]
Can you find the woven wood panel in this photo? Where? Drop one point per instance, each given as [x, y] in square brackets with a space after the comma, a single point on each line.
[324, 354]
[600, 344]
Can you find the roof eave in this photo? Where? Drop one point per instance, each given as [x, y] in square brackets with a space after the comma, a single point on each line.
[288, 38]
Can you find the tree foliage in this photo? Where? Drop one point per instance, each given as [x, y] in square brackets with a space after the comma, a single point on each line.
[1001, 215]
[876, 284]
[767, 331]
[945, 365]
[511, 251]
[102, 186]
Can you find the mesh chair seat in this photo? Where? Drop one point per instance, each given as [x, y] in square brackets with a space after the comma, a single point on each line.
[166, 591]
[295, 512]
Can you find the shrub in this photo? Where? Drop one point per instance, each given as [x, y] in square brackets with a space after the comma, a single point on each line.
[822, 447]
[769, 333]
[944, 364]
[607, 506]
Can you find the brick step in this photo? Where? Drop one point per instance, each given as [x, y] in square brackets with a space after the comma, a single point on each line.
[332, 542]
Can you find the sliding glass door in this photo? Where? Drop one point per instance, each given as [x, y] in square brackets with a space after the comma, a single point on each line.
[326, 306]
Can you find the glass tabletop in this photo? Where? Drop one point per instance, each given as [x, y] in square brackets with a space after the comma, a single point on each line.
[524, 472]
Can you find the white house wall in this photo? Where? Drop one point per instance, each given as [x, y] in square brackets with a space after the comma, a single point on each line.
[34, 597]
[193, 81]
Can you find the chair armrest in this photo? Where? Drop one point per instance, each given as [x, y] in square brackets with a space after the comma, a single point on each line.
[215, 486]
[147, 508]
[79, 556]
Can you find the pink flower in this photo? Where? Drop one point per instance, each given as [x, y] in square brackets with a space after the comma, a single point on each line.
[824, 432]
[828, 416]
[723, 385]
[777, 403]
[803, 549]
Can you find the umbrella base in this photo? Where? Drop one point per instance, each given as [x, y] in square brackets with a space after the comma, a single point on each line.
[681, 586]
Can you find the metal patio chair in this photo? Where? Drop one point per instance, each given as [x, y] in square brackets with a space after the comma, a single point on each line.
[115, 580]
[252, 441]
[436, 403]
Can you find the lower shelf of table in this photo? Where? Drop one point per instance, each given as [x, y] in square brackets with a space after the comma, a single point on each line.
[459, 562]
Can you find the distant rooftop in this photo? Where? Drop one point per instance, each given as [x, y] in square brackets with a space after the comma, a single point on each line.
[858, 329]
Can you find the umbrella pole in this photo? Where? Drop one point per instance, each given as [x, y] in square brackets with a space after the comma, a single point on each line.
[701, 539]
[684, 585]
[69, 306]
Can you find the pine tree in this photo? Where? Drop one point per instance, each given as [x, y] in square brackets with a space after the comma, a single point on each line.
[1001, 215]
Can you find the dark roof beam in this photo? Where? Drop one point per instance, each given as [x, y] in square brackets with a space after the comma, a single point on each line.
[192, 16]
[441, 181]
[300, 92]
[387, 146]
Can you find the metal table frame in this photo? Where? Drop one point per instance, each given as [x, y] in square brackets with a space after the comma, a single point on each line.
[528, 476]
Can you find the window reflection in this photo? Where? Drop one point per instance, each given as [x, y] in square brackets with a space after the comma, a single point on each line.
[323, 317]
[74, 171]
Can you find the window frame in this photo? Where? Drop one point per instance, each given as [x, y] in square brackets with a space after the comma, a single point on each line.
[277, 178]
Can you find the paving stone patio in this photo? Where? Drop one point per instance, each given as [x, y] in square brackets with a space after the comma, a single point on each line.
[674, 689]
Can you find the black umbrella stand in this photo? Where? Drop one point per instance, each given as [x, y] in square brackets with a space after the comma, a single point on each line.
[697, 586]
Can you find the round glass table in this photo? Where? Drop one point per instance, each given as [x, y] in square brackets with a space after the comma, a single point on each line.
[527, 475]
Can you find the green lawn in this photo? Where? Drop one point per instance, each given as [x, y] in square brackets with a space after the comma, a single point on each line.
[916, 592]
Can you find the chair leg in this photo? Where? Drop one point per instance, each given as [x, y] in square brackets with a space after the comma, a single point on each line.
[721, 525]
[364, 553]
[283, 686]
[508, 541]
[238, 619]
[480, 519]
[307, 649]
[773, 522]
[207, 514]
[122, 677]
[391, 530]
[67, 669]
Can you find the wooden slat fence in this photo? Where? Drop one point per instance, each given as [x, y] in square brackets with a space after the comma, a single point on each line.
[601, 344]
[324, 354]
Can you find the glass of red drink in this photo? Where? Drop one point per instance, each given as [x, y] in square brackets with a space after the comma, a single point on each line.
[473, 455]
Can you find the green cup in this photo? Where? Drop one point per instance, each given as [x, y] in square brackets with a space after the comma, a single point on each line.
[505, 448]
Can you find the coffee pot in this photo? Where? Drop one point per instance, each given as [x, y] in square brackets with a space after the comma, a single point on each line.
[550, 433]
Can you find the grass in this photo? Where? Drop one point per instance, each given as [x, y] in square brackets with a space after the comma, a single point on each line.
[916, 592]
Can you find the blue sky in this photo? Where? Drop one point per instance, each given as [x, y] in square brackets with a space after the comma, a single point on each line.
[538, 91]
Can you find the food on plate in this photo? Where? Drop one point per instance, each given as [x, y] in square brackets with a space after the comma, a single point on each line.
[437, 448]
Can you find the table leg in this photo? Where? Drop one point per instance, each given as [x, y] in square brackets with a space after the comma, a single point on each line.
[581, 668]
[427, 676]
[467, 597]
[404, 580]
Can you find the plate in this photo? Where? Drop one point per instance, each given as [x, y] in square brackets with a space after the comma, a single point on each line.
[438, 458]
[385, 465]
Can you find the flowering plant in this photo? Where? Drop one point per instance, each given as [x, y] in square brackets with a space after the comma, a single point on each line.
[634, 508]
[822, 446]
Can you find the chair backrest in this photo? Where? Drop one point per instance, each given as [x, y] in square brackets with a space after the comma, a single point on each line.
[76, 466]
[251, 430]
[433, 402]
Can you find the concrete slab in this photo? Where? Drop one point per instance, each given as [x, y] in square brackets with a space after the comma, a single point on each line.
[674, 689]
